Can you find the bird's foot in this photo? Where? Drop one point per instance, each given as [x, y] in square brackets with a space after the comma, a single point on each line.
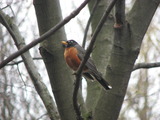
[74, 73]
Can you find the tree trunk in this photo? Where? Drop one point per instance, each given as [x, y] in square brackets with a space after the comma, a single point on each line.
[101, 51]
[126, 46]
[48, 14]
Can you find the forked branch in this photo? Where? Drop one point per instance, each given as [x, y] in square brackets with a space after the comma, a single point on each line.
[88, 52]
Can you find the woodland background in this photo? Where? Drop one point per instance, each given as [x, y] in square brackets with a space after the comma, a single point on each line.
[23, 80]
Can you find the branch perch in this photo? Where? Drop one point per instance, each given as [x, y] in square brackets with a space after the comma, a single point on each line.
[87, 54]
[146, 65]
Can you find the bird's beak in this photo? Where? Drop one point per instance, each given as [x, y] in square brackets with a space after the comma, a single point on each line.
[64, 43]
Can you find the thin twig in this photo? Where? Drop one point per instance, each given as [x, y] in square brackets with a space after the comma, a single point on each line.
[40, 117]
[4, 7]
[20, 61]
[21, 76]
[89, 22]
[87, 54]
[44, 36]
[22, 79]
[146, 65]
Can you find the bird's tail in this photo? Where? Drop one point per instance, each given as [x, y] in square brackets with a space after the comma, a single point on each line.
[103, 82]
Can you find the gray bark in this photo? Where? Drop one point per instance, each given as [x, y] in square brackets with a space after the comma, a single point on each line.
[101, 51]
[31, 68]
[126, 46]
[49, 14]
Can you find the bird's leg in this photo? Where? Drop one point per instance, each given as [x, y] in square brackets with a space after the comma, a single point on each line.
[93, 47]
[74, 73]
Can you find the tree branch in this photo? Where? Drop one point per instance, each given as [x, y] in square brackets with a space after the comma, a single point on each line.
[119, 14]
[20, 61]
[44, 36]
[88, 52]
[88, 23]
[122, 59]
[30, 66]
[146, 65]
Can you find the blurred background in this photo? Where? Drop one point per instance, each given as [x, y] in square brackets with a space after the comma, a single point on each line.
[18, 97]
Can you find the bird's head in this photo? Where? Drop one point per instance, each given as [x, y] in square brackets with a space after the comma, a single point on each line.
[69, 43]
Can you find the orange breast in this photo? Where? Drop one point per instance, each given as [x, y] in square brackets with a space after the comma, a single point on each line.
[70, 55]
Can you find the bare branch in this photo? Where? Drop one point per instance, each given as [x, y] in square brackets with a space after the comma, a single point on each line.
[89, 22]
[20, 61]
[31, 67]
[88, 52]
[146, 65]
[119, 14]
[44, 36]
[4, 22]
[21, 76]
[45, 114]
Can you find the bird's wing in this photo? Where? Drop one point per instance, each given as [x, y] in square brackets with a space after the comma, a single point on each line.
[92, 72]
[89, 64]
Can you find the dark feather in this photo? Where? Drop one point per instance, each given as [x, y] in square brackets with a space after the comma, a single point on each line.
[103, 82]
[88, 76]
[92, 70]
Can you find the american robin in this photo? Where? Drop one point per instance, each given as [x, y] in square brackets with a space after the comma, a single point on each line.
[74, 54]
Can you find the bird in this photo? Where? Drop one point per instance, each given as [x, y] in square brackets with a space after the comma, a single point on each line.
[74, 54]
